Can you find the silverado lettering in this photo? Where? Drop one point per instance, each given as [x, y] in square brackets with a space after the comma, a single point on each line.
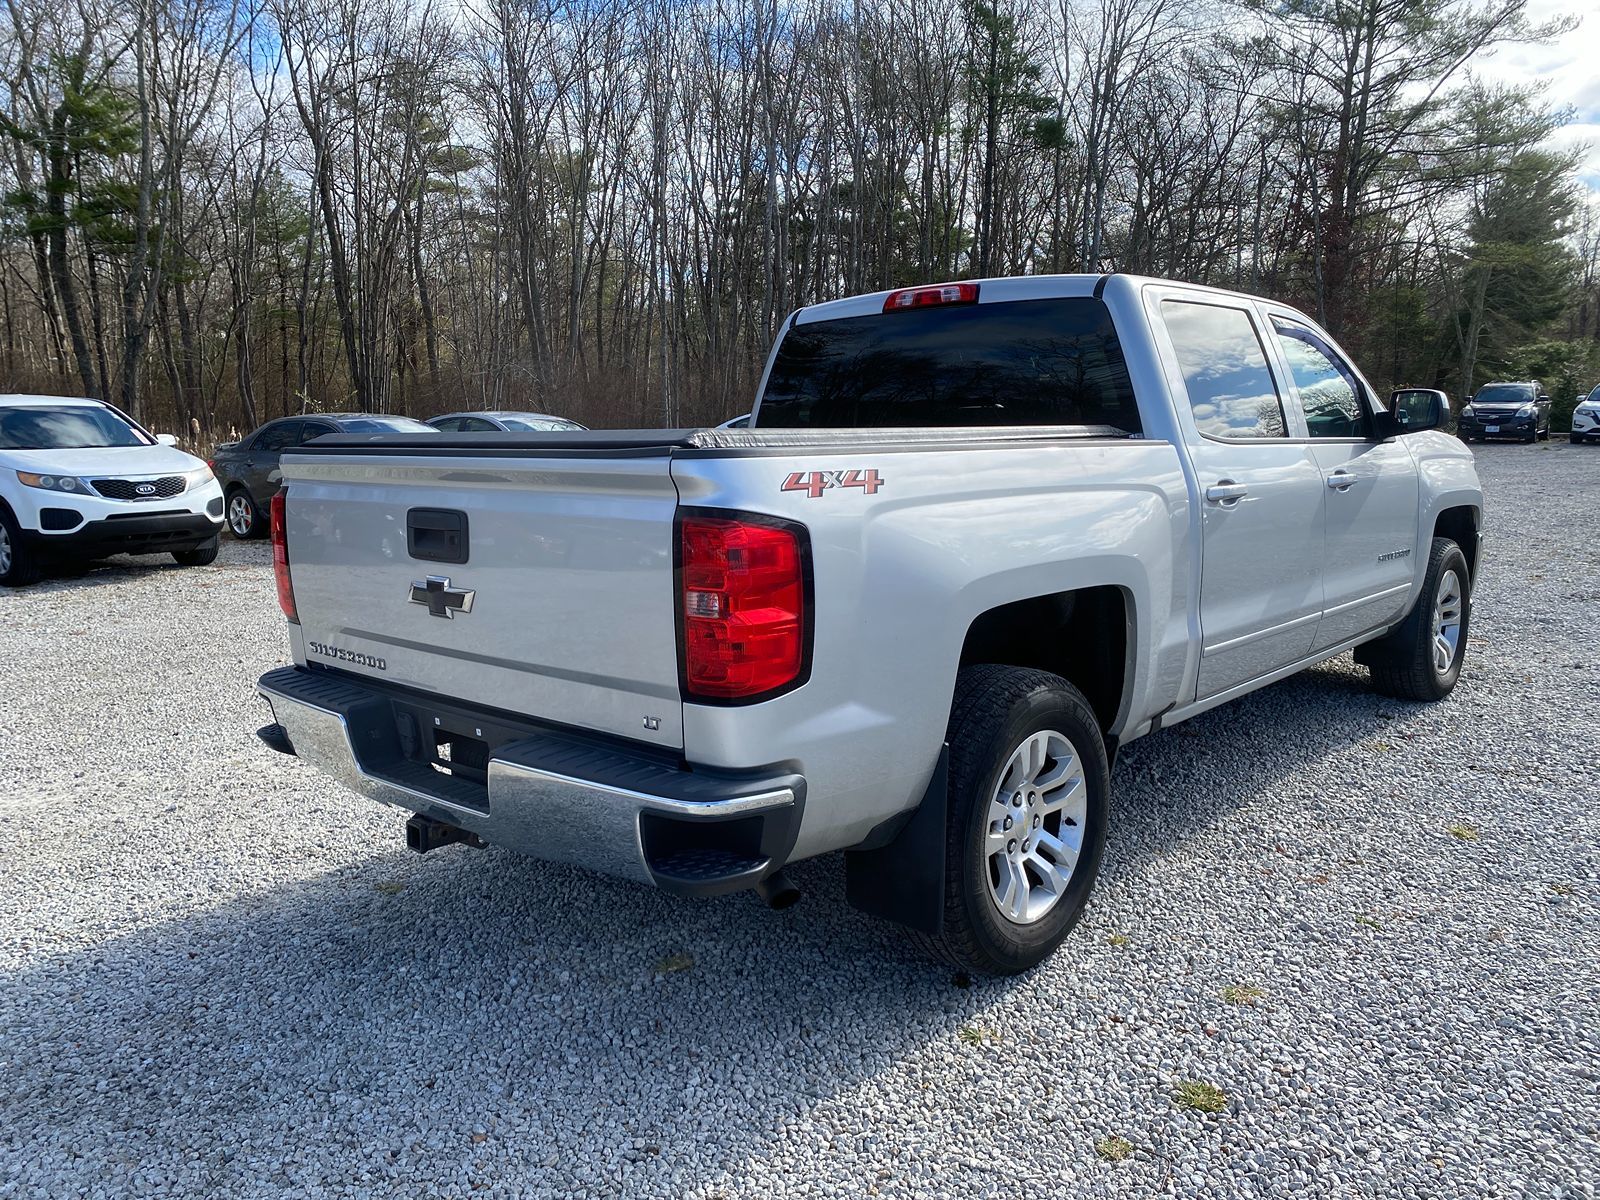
[349, 656]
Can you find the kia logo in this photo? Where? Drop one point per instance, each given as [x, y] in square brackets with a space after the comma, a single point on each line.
[146, 489]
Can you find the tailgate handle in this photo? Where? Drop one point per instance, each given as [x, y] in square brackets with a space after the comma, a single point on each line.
[437, 534]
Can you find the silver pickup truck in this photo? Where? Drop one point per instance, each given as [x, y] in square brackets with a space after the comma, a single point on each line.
[976, 537]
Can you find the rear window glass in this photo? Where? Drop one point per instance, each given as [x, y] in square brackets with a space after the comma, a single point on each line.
[1025, 362]
[539, 424]
[384, 425]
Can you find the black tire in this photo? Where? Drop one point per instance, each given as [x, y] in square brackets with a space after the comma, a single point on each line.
[19, 566]
[995, 709]
[1402, 663]
[201, 556]
[244, 518]
[1575, 438]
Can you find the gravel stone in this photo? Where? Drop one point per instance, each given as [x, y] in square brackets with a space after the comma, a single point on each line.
[222, 975]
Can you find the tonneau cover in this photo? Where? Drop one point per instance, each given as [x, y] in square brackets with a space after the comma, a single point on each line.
[634, 442]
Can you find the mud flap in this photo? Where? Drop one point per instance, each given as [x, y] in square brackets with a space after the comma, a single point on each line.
[903, 880]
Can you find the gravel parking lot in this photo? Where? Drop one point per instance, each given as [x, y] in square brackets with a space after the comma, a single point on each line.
[1374, 927]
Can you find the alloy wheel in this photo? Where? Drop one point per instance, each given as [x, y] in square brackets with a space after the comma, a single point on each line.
[1035, 827]
[1448, 607]
[241, 517]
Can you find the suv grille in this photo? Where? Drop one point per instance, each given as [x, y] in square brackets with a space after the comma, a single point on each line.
[134, 489]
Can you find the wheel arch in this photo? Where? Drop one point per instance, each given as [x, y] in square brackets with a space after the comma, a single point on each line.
[1460, 523]
[1086, 635]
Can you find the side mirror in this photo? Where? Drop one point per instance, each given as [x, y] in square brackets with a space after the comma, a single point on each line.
[167, 439]
[1413, 411]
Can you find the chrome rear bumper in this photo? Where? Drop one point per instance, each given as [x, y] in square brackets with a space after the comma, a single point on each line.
[548, 793]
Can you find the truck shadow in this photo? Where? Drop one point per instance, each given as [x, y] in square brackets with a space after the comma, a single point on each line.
[567, 1031]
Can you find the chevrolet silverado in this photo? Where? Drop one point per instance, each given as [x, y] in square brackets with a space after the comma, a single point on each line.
[976, 537]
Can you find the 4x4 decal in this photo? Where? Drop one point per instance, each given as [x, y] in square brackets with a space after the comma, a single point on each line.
[814, 483]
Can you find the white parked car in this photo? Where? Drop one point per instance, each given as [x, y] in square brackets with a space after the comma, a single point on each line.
[80, 480]
[1586, 418]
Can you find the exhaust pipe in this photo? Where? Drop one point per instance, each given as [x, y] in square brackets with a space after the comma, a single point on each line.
[424, 834]
[777, 891]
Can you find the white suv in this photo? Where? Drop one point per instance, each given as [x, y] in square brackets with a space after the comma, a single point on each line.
[1586, 418]
[79, 480]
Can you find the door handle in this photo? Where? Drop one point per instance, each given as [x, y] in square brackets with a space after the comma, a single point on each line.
[1341, 480]
[1226, 492]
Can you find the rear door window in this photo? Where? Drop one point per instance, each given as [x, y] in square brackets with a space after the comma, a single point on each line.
[1225, 372]
[280, 436]
[1023, 362]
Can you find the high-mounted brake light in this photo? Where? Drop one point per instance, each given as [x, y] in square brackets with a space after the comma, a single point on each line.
[742, 606]
[928, 297]
[280, 557]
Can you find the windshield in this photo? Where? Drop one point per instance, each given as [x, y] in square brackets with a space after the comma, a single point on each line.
[1594, 396]
[538, 424]
[385, 425]
[1023, 362]
[65, 428]
[1503, 393]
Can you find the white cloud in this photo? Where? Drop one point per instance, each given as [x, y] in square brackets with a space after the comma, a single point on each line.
[1563, 74]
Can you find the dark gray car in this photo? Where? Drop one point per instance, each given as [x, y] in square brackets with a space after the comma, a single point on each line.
[515, 422]
[1518, 410]
[248, 469]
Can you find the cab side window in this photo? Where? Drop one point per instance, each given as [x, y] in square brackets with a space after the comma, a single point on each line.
[279, 436]
[1225, 371]
[1329, 393]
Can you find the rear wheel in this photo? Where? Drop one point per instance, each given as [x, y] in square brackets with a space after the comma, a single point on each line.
[1028, 795]
[200, 556]
[1421, 660]
[244, 519]
[19, 566]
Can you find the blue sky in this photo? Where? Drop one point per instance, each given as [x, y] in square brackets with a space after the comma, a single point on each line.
[1566, 73]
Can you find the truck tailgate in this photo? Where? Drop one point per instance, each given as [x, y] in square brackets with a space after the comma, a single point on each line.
[569, 559]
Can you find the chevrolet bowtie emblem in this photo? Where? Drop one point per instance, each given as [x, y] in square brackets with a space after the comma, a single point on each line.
[441, 599]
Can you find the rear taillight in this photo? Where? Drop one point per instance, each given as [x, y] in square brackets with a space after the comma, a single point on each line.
[280, 558]
[742, 606]
[928, 297]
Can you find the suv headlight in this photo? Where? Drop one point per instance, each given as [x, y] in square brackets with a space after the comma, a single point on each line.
[198, 477]
[68, 484]
[1466, 410]
[1528, 410]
